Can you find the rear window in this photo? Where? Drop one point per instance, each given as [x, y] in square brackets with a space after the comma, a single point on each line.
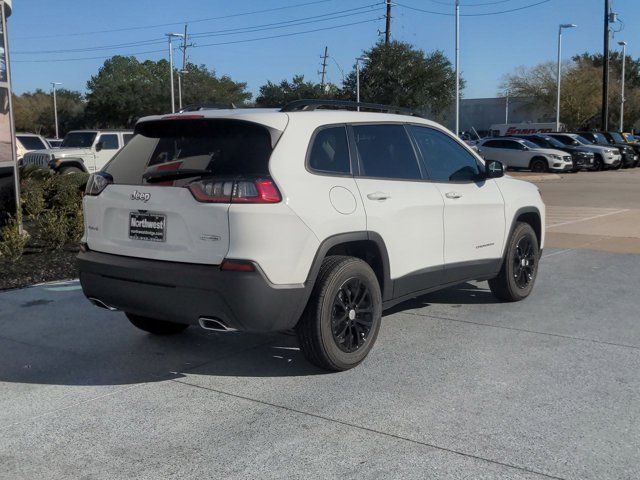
[31, 143]
[221, 147]
[330, 151]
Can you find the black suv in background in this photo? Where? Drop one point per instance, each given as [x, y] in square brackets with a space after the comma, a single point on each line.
[629, 157]
[616, 138]
[581, 156]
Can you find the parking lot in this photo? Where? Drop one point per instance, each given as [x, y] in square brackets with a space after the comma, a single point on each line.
[458, 385]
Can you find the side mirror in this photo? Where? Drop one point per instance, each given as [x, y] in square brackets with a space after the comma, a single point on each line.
[99, 146]
[525, 148]
[494, 169]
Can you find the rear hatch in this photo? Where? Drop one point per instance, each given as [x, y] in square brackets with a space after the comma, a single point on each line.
[168, 191]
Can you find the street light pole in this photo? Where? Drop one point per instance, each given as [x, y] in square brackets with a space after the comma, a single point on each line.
[457, 130]
[170, 36]
[358, 60]
[559, 73]
[622, 99]
[55, 107]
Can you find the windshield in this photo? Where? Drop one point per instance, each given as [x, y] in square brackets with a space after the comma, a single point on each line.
[214, 147]
[78, 140]
[583, 141]
[530, 144]
[617, 137]
[31, 143]
[554, 142]
[601, 139]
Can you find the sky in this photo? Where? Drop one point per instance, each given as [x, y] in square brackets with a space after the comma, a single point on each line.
[59, 40]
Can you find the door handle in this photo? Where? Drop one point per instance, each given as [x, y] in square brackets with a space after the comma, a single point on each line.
[453, 195]
[378, 196]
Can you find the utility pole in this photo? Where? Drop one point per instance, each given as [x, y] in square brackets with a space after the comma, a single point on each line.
[170, 37]
[622, 98]
[605, 71]
[184, 66]
[457, 130]
[55, 107]
[324, 67]
[387, 30]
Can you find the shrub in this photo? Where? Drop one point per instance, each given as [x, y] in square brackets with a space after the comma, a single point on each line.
[53, 228]
[75, 228]
[62, 193]
[32, 197]
[12, 243]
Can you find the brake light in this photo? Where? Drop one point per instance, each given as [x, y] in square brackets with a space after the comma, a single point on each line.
[237, 266]
[97, 183]
[235, 191]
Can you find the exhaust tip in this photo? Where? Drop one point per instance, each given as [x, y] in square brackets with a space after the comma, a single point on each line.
[215, 324]
[99, 303]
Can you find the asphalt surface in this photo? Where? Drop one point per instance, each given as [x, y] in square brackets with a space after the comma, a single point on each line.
[458, 386]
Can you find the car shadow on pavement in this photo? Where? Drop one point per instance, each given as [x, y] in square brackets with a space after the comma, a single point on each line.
[463, 294]
[86, 346]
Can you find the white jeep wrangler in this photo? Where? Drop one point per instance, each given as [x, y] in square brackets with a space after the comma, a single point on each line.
[80, 151]
[311, 217]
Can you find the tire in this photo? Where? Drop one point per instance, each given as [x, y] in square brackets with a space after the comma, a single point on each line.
[332, 332]
[156, 327]
[598, 164]
[515, 281]
[539, 165]
[69, 170]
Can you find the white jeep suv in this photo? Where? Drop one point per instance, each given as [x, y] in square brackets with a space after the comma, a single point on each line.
[311, 217]
[80, 151]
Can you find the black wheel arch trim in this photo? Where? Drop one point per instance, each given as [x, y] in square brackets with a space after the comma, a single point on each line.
[343, 238]
[514, 220]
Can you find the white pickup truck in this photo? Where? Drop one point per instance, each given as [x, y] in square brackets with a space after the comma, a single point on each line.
[81, 151]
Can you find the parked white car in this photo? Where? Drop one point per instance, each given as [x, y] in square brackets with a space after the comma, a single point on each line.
[80, 151]
[523, 154]
[29, 142]
[305, 218]
[605, 157]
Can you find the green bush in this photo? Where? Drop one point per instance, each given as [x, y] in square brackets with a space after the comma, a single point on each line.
[12, 243]
[32, 197]
[53, 228]
[63, 193]
[75, 228]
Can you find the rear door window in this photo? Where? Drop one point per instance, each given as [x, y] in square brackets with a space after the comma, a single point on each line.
[330, 151]
[385, 151]
[218, 147]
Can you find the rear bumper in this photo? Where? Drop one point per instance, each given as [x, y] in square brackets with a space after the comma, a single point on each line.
[183, 292]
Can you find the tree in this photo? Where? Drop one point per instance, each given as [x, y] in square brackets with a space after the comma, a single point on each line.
[126, 89]
[277, 95]
[581, 96]
[399, 74]
[202, 85]
[34, 111]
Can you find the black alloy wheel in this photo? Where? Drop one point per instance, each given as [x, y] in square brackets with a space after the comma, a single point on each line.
[524, 262]
[352, 315]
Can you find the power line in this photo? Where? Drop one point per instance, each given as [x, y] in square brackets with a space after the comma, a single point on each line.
[451, 4]
[472, 14]
[209, 44]
[124, 29]
[250, 29]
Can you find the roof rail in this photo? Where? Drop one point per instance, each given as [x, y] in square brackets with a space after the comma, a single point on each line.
[195, 107]
[314, 104]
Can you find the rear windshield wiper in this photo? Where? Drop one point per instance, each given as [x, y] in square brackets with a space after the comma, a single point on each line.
[165, 175]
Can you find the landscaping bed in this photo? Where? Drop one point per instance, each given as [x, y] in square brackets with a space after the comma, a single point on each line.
[53, 225]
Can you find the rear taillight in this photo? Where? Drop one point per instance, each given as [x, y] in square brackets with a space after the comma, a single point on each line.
[237, 266]
[97, 183]
[235, 191]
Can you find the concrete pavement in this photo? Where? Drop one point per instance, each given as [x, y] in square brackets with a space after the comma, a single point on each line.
[458, 386]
